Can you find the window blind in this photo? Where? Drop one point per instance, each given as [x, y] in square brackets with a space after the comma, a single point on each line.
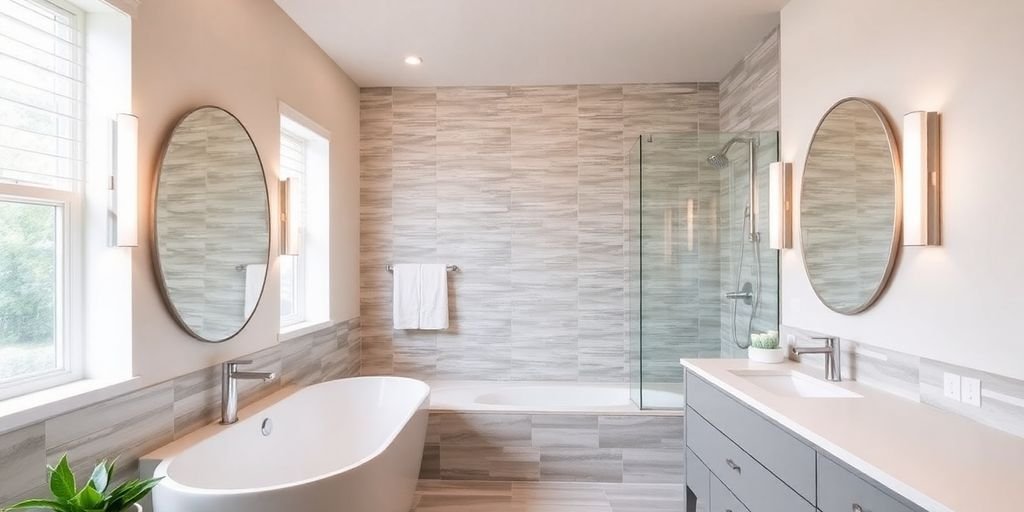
[41, 94]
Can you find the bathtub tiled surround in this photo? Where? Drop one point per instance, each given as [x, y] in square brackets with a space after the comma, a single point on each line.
[525, 189]
[921, 379]
[554, 448]
[452, 495]
[136, 423]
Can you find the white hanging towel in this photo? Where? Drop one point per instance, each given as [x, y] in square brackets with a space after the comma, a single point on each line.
[434, 296]
[254, 275]
[406, 297]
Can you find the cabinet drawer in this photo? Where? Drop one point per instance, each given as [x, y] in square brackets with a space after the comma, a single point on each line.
[839, 490]
[752, 483]
[776, 449]
[723, 500]
[698, 479]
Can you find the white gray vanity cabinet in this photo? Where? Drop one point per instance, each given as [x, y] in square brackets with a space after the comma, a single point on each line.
[739, 461]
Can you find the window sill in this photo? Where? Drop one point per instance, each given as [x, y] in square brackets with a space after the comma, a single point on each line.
[302, 329]
[25, 410]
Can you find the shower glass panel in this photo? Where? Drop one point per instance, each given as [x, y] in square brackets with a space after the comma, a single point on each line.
[689, 246]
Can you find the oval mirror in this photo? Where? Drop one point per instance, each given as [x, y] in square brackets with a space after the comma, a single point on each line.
[211, 225]
[850, 206]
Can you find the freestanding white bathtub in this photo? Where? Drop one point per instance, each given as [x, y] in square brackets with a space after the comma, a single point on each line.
[351, 445]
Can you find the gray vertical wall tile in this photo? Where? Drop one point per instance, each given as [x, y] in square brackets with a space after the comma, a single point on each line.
[525, 189]
[554, 447]
[750, 91]
[23, 467]
[126, 427]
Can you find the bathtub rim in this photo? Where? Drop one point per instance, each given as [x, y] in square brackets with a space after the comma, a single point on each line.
[440, 404]
[254, 410]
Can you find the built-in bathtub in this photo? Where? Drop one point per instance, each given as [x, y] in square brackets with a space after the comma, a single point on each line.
[351, 444]
[550, 432]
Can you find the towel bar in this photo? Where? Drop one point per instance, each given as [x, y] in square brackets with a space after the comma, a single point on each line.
[449, 268]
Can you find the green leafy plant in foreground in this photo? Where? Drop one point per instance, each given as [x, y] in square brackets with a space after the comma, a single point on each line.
[94, 496]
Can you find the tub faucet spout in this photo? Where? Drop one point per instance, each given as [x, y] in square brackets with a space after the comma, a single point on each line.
[230, 375]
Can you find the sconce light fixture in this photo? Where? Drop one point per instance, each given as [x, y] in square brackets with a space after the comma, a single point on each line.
[780, 197]
[921, 223]
[124, 182]
[289, 226]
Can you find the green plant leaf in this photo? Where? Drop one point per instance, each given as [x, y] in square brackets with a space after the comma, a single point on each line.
[100, 477]
[88, 498]
[62, 480]
[40, 504]
[132, 493]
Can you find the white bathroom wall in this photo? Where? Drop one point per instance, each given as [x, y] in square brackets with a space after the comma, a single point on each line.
[245, 56]
[959, 303]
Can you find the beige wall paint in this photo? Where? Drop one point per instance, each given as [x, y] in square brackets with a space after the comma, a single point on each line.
[244, 56]
[960, 302]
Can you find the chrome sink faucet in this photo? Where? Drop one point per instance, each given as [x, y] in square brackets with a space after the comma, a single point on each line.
[230, 376]
[831, 351]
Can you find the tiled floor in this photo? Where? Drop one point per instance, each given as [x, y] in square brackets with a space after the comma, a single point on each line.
[477, 496]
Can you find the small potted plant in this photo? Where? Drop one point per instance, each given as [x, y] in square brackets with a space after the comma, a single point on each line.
[95, 496]
[764, 348]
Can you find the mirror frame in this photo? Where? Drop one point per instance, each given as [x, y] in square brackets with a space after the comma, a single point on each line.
[897, 224]
[153, 237]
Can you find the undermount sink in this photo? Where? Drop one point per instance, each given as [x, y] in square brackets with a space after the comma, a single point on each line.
[793, 384]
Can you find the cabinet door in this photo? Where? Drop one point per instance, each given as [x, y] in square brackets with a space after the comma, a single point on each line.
[698, 484]
[723, 500]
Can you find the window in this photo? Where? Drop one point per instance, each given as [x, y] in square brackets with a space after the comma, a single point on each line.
[41, 191]
[305, 277]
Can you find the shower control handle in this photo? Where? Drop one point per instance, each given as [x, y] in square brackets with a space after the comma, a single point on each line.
[738, 295]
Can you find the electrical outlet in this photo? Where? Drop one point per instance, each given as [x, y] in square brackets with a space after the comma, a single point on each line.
[970, 391]
[951, 386]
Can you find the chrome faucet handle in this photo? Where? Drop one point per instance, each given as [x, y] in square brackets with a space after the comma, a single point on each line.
[232, 365]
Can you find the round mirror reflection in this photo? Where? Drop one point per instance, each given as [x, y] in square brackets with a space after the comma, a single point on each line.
[850, 211]
[211, 225]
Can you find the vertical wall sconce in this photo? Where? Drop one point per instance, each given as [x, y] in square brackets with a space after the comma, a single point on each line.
[289, 226]
[780, 197]
[921, 223]
[124, 183]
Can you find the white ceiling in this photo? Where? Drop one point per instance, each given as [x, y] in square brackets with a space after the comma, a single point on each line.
[535, 42]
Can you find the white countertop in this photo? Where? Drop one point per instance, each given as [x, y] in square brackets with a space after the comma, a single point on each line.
[939, 460]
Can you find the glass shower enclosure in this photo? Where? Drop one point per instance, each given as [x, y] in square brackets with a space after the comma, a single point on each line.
[701, 275]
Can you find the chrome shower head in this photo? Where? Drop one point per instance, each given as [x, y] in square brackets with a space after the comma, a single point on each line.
[718, 161]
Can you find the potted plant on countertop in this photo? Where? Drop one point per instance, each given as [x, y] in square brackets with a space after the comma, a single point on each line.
[764, 348]
[94, 496]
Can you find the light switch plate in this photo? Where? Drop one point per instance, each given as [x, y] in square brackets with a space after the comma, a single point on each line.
[951, 386]
[970, 391]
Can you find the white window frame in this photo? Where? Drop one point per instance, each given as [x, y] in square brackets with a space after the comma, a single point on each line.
[68, 330]
[312, 287]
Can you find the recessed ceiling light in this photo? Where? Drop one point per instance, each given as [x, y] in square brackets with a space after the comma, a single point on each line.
[413, 60]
